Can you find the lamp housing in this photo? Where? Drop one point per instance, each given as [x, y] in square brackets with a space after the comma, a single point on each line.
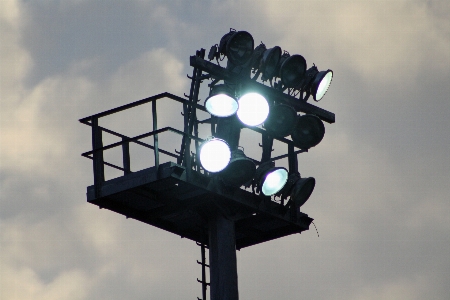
[308, 131]
[239, 171]
[268, 65]
[281, 120]
[292, 69]
[237, 46]
[298, 189]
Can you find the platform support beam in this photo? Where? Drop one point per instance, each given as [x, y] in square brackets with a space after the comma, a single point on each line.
[222, 259]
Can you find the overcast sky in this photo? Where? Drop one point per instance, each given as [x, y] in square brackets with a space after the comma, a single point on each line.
[381, 203]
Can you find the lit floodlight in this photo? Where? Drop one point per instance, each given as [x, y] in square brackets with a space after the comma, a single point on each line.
[253, 109]
[273, 180]
[237, 46]
[281, 120]
[292, 70]
[321, 83]
[269, 63]
[301, 191]
[240, 170]
[221, 101]
[270, 179]
[215, 155]
[308, 132]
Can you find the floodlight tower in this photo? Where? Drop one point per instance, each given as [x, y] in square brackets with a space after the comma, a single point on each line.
[217, 195]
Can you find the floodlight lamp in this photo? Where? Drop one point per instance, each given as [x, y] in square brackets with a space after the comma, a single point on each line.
[269, 63]
[253, 109]
[221, 101]
[237, 46]
[271, 179]
[292, 70]
[298, 189]
[301, 191]
[308, 131]
[240, 170]
[281, 120]
[215, 155]
[321, 83]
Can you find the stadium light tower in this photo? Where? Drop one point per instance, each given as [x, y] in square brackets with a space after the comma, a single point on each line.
[214, 194]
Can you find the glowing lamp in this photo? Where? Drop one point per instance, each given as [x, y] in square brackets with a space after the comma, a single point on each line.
[321, 83]
[215, 155]
[221, 102]
[271, 179]
[253, 109]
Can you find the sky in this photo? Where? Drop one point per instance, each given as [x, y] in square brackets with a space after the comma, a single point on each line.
[381, 203]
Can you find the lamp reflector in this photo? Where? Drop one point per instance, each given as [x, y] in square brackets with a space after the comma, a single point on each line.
[237, 46]
[215, 155]
[220, 102]
[253, 109]
[308, 131]
[269, 62]
[302, 190]
[240, 170]
[321, 83]
[273, 180]
[292, 70]
[281, 120]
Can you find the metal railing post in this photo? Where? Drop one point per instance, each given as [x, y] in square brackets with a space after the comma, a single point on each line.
[99, 172]
[155, 137]
[126, 157]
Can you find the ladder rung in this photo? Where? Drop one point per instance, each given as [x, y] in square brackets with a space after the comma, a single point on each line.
[202, 282]
[203, 264]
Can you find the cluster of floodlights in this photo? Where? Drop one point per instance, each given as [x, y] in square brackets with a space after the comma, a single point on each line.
[229, 101]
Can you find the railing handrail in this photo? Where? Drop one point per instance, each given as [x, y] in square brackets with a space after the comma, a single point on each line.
[87, 120]
[141, 136]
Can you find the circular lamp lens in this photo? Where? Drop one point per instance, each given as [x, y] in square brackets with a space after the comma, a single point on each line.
[215, 155]
[253, 109]
[273, 181]
[221, 105]
[321, 84]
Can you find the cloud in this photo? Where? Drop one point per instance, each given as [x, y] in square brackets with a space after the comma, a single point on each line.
[24, 284]
[377, 41]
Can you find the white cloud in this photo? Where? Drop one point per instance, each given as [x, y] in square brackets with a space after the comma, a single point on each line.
[380, 40]
[24, 284]
[401, 289]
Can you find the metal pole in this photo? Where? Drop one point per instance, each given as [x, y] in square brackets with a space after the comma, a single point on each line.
[155, 137]
[222, 259]
[204, 284]
[99, 172]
